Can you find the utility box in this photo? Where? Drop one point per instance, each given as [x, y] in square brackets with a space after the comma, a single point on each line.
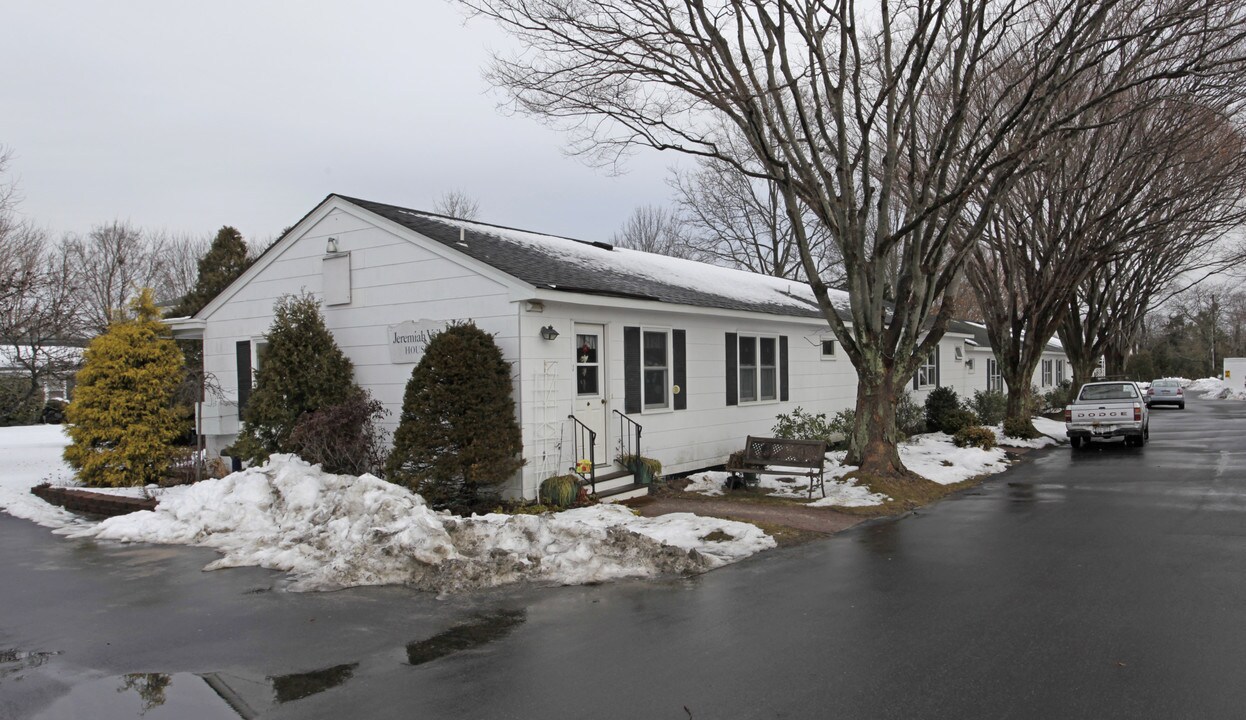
[1235, 372]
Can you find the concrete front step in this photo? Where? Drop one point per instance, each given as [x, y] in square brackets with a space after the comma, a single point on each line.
[625, 492]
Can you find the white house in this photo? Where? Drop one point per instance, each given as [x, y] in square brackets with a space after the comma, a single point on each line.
[685, 357]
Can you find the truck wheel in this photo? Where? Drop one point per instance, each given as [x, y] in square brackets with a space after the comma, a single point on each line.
[1181, 405]
[1077, 442]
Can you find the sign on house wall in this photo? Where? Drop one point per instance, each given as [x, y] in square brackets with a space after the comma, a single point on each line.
[408, 340]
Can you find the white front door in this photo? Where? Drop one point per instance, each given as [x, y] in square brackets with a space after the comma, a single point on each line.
[590, 387]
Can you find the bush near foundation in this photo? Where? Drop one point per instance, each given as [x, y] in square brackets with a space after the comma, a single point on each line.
[458, 440]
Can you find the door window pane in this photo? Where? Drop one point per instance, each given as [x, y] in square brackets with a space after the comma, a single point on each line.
[587, 370]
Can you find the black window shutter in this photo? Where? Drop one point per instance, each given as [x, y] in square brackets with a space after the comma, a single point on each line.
[681, 368]
[783, 394]
[631, 370]
[244, 374]
[936, 364]
[733, 375]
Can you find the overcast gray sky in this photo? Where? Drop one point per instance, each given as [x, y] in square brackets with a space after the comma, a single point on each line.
[188, 116]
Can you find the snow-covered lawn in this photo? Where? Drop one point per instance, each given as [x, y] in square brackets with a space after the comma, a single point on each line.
[933, 456]
[332, 531]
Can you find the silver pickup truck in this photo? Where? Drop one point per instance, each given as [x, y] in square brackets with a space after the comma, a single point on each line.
[1108, 410]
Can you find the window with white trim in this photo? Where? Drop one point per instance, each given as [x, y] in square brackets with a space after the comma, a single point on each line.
[828, 348]
[927, 372]
[656, 364]
[1059, 371]
[759, 368]
[994, 381]
[1047, 373]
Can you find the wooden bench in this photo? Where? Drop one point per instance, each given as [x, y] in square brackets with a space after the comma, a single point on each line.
[760, 452]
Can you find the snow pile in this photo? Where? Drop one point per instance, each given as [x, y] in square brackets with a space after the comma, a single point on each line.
[332, 531]
[1053, 433]
[935, 457]
[1215, 388]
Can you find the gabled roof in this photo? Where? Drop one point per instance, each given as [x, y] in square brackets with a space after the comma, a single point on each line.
[557, 263]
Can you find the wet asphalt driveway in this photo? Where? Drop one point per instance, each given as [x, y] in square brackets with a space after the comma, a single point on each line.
[1102, 584]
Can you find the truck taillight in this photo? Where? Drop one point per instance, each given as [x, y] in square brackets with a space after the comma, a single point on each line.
[1068, 415]
[1180, 391]
[1137, 412]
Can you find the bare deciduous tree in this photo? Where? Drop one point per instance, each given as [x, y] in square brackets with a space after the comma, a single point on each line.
[110, 266]
[741, 221]
[178, 268]
[655, 229]
[1172, 237]
[1095, 199]
[896, 130]
[457, 204]
[37, 310]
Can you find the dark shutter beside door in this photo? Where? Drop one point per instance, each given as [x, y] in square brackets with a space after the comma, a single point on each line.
[243, 349]
[631, 370]
[679, 352]
[733, 375]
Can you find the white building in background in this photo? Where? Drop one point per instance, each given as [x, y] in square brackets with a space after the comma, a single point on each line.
[687, 357]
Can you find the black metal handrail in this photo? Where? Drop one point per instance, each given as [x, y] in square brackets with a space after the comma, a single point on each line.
[629, 435]
[579, 433]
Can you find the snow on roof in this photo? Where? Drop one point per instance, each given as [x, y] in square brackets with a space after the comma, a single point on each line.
[559, 263]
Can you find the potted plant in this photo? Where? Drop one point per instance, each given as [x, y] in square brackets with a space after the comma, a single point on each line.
[646, 469]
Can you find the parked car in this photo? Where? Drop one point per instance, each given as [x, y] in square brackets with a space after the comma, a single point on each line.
[1166, 392]
[1108, 410]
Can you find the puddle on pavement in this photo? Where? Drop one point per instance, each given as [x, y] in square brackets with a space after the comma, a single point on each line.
[15, 661]
[150, 696]
[1027, 493]
[482, 630]
[301, 685]
[190, 696]
[882, 538]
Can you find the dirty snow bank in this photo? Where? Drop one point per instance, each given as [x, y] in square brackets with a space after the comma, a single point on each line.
[1213, 388]
[1053, 433]
[332, 531]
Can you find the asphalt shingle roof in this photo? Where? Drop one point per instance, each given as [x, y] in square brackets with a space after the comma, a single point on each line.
[600, 269]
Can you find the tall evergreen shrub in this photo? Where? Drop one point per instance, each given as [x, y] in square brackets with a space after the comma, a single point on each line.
[457, 440]
[301, 371]
[124, 419]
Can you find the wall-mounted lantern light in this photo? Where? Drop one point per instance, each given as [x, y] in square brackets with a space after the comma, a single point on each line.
[331, 247]
[548, 332]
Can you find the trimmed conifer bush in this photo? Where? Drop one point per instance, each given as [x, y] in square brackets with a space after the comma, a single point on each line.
[941, 405]
[458, 440]
[123, 419]
[301, 371]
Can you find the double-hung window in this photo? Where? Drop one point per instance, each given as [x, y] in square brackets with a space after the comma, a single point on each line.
[1059, 372]
[758, 368]
[655, 352]
[927, 372]
[1047, 373]
[993, 379]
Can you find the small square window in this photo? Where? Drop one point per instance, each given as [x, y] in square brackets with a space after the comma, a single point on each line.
[828, 349]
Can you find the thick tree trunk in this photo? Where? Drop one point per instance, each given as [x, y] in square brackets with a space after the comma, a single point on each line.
[872, 445]
[1020, 400]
